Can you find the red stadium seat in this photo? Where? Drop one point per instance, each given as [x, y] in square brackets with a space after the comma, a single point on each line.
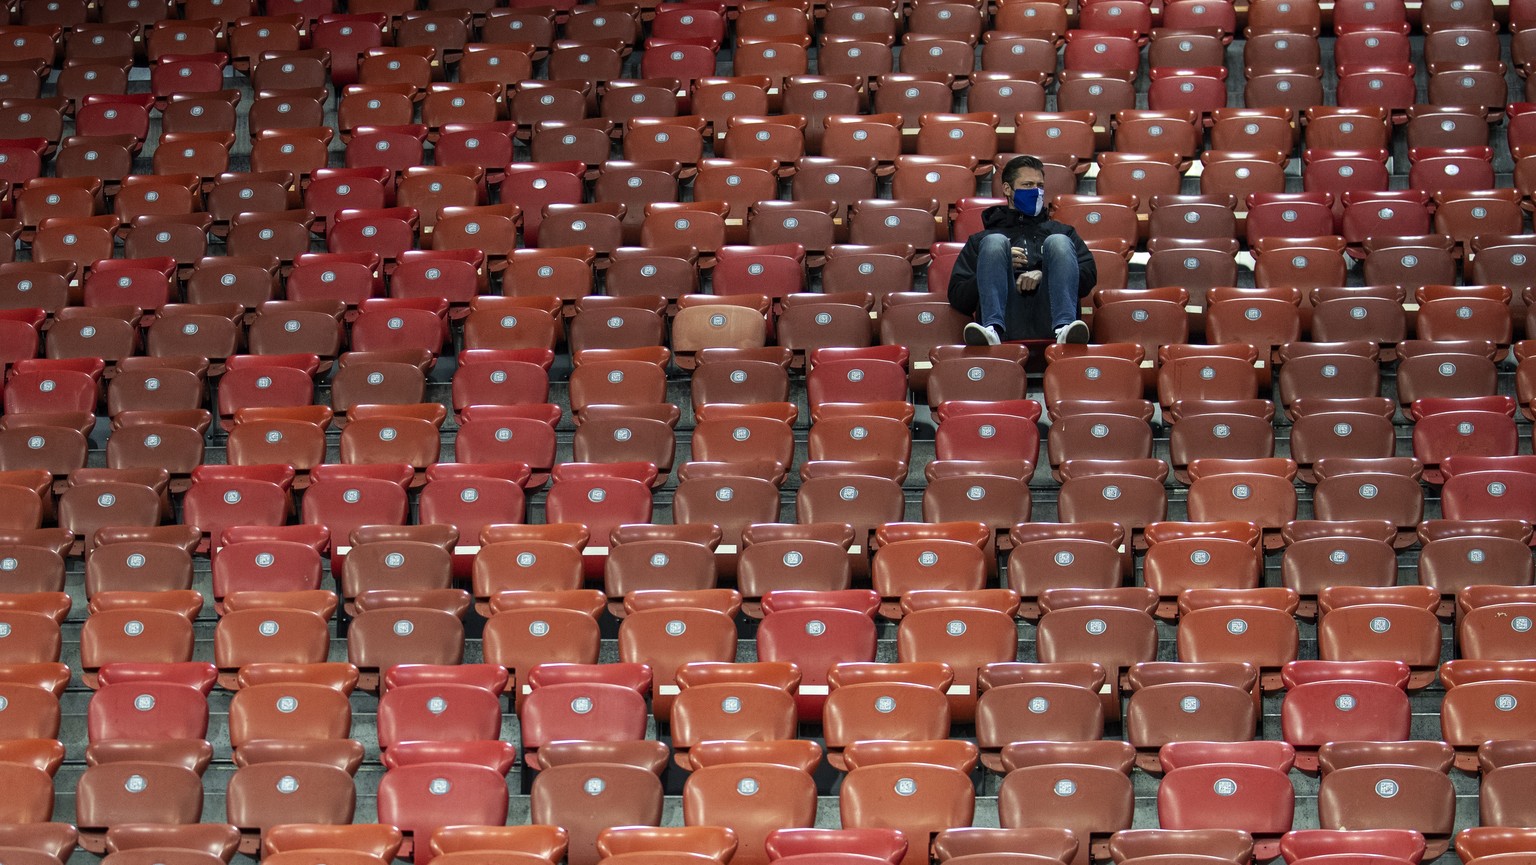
[1080, 786]
[421, 798]
[1246, 782]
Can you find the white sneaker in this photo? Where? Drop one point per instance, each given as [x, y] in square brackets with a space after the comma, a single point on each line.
[977, 334]
[1075, 333]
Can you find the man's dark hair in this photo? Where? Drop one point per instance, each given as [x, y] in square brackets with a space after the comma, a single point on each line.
[1021, 163]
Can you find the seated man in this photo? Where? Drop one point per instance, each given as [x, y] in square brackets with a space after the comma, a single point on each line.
[1019, 250]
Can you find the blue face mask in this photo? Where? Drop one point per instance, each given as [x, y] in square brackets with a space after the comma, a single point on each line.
[1030, 202]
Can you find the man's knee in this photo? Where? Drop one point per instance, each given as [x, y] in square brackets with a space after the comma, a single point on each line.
[994, 254]
[994, 245]
[1059, 254]
[1059, 245]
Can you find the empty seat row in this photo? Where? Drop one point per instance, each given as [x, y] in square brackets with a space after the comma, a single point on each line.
[1250, 777]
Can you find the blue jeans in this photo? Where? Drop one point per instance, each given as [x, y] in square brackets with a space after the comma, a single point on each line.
[995, 279]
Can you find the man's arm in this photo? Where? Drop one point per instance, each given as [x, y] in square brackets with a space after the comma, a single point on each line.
[1087, 268]
[963, 294]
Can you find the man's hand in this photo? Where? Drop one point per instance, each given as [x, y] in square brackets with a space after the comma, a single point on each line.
[1028, 281]
[1020, 257]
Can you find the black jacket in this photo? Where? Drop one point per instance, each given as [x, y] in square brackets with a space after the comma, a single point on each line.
[1029, 315]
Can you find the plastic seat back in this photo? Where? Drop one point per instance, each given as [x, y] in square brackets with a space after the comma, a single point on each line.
[930, 799]
[563, 796]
